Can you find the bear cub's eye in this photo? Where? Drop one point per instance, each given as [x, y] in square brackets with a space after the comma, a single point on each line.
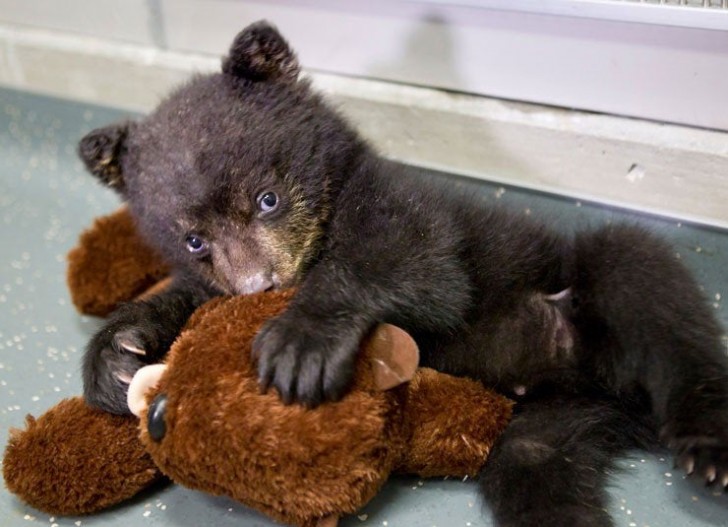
[268, 201]
[196, 245]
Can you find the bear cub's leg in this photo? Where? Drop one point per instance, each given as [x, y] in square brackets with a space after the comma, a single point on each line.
[645, 325]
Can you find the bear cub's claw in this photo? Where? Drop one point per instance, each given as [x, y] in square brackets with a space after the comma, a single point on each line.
[704, 458]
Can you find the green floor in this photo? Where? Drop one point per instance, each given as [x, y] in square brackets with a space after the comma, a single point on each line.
[46, 199]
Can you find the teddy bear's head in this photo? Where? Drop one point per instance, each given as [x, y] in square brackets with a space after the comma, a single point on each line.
[208, 426]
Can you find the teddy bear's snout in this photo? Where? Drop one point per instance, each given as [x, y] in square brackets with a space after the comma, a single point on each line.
[156, 426]
[144, 380]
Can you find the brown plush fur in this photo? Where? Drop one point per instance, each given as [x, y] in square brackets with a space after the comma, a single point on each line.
[292, 463]
[454, 421]
[76, 460]
[224, 437]
[295, 464]
[110, 265]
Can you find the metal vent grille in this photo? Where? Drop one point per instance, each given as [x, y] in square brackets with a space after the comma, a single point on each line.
[695, 14]
[714, 4]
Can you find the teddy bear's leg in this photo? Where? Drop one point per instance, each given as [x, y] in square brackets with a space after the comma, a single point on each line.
[549, 467]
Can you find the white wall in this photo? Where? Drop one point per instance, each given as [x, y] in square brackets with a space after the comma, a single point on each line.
[663, 64]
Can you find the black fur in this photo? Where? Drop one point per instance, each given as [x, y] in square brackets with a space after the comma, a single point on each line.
[550, 467]
[625, 347]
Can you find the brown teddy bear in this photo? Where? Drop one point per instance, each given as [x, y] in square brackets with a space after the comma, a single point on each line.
[205, 424]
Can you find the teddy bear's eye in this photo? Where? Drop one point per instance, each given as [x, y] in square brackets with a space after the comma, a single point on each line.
[196, 245]
[156, 414]
[268, 201]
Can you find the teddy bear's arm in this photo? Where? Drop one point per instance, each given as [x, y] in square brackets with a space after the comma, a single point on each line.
[111, 264]
[75, 460]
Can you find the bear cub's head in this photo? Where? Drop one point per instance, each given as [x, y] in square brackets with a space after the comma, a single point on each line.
[234, 175]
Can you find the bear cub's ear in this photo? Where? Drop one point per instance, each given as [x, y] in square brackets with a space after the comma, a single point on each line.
[260, 53]
[101, 150]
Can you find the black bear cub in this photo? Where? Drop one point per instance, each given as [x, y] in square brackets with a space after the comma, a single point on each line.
[246, 180]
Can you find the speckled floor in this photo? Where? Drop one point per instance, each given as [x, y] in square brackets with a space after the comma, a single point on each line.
[46, 199]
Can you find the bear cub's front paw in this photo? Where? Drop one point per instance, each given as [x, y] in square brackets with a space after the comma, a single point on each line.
[308, 360]
[129, 341]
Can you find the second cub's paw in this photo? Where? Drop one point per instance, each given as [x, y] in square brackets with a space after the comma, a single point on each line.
[307, 360]
[703, 457]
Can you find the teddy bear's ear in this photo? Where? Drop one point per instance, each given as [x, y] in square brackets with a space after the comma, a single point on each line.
[102, 150]
[394, 354]
[260, 53]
